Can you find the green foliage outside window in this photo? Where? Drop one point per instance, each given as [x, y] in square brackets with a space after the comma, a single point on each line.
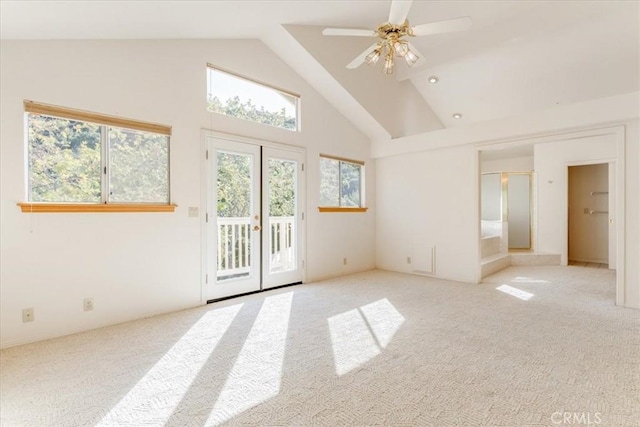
[235, 108]
[282, 187]
[139, 169]
[64, 160]
[243, 98]
[234, 185]
[66, 164]
[340, 183]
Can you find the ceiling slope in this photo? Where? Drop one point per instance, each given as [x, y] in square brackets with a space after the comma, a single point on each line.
[396, 105]
[517, 59]
[558, 53]
[283, 44]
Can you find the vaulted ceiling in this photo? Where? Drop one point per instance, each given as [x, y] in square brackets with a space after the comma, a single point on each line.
[517, 58]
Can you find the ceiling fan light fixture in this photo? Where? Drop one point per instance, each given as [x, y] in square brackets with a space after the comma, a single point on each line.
[393, 37]
[373, 56]
[388, 65]
[401, 48]
[411, 58]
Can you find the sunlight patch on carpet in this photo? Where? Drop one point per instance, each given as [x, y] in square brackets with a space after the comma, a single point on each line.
[383, 319]
[153, 399]
[359, 335]
[518, 293]
[257, 372]
[521, 279]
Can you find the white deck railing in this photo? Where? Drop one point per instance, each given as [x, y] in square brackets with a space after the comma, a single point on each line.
[282, 244]
[234, 250]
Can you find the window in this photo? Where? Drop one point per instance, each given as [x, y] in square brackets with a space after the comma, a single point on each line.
[80, 157]
[341, 184]
[247, 99]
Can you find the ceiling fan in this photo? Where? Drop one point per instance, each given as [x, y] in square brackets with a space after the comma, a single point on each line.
[392, 36]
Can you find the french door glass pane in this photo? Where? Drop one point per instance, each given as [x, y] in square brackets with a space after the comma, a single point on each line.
[282, 210]
[234, 171]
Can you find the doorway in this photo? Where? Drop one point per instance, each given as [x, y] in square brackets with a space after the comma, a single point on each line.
[588, 230]
[253, 217]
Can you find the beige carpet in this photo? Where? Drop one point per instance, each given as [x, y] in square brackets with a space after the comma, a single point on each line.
[375, 348]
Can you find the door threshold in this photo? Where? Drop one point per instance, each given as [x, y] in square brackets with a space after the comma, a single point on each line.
[252, 292]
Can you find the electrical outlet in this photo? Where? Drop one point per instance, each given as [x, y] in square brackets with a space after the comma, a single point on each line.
[88, 304]
[194, 212]
[344, 261]
[408, 260]
[27, 315]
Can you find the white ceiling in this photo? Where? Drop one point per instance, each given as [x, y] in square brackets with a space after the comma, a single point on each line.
[518, 57]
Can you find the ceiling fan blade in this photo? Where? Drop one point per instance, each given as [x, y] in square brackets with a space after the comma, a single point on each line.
[361, 58]
[448, 26]
[399, 11]
[348, 32]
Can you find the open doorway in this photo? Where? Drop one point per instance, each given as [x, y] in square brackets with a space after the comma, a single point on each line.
[550, 158]
[588, 210]
[506, 207]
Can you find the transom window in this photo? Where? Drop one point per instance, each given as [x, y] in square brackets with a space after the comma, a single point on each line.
[80, 157]
[341, 182]
[247, 99]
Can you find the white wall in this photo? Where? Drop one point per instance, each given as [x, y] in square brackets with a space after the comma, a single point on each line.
[431, 198]
[137, 265]
[632, 214]
[431, 194]
[513, 164]
[551, 161]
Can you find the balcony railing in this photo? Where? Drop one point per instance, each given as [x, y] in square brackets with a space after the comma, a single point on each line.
[234, 246]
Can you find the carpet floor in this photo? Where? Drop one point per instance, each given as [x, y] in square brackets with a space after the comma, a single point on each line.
[531, 346]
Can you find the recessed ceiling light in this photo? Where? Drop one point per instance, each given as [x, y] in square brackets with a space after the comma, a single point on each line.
[433, 79]
[457, 116]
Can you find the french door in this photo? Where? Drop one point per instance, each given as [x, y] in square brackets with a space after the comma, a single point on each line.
[253, 219]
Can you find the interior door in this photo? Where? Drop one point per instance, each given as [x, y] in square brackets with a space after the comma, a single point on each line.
[254, 217]
[234, 218]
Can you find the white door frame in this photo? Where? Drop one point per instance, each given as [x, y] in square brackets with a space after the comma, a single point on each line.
[205, 208]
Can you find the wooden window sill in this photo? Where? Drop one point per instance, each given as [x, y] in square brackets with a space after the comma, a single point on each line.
[94, 207]
[338, 209]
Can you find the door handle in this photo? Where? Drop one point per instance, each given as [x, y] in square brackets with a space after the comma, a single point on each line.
[256, 228]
